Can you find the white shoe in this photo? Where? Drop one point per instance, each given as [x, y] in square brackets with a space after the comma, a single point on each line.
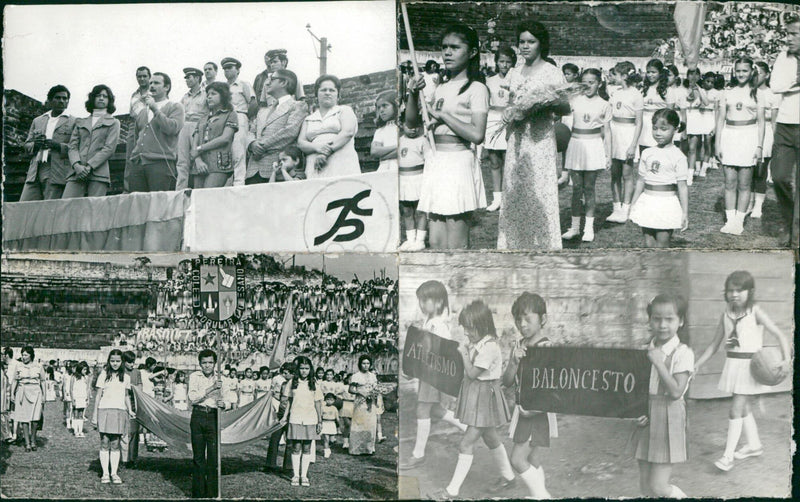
[495, 205]
[727, 228]
[724, 464]
[748, 452]
[405, 245]
[588, 235]
[415, 246]
[571, 233]
[617, 216]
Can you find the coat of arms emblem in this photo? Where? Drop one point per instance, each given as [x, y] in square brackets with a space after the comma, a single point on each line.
[218, 292]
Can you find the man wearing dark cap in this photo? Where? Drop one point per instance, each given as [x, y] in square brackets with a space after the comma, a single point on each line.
[241, 97]
[194, 109]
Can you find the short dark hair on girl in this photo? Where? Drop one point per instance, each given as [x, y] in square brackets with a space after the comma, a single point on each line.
[294, 153]
[433, 290]
[505, 50]
[111, 108]
[477, 316]
[571, 67]
[668, 114]
[743, 280]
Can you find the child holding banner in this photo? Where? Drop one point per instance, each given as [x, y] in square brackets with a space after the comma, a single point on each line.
[741, 328]
[434, 305]
[530, 430]
[660, 439]
[481, 403]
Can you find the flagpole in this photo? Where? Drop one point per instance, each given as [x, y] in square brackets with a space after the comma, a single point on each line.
[218, 344]
[426, 120]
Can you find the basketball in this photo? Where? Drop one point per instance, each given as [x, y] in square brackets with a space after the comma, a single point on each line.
[562, 136]
[765, 367]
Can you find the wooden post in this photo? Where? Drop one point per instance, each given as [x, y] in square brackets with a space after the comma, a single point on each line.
[422, 101]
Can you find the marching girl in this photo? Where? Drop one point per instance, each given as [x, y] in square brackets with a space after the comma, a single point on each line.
[246, 388]
[111, 413]
[661, 438]
[530, 430]
[676, 94]
[305, 418]
[384, 142]
[739, 141]
[661, 198]
[80, 397]
[654, 91]
[67, 396]
[625, 127]
[694, 101]
[495, 143]
[481, 403]
[431, 402]
[330, 421]
[346, 413]
[770, 102]
[412, 147]
[588, 153]
[708, 121]
[741, 331]
[264, 383]
[180, 392]
[452, 184]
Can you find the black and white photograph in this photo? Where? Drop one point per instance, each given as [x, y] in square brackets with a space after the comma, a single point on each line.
[174, 376]
[585, 125]
[200, 127]
[613, 375]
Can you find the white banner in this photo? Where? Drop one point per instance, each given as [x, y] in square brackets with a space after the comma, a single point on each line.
[348, 213]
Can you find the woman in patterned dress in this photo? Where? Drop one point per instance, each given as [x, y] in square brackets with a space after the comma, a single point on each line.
[529, 214]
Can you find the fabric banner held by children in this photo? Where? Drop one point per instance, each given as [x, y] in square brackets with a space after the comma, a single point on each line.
[434, 360]
[239, 426]
[585, 381]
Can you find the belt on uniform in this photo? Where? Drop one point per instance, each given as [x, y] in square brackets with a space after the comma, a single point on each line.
[411, 169]
[577, 131]
[661, 188]
[451, 143]
[204, 409]
[496, 108]
[740, 122]
[624, 120]
[706, 110]
[740, 355]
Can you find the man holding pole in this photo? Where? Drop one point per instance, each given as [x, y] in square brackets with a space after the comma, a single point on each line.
[206, 399]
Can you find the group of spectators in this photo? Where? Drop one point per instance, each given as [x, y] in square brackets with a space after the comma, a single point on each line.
[219, 133]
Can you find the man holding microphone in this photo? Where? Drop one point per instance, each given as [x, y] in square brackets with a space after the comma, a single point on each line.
[205, 396]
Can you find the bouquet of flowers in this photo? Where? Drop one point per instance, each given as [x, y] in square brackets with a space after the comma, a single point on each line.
[536, 102]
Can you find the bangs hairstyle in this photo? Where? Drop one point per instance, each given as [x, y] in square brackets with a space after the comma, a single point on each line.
[505, 50]
[627, 71]
[111, 108]
[433, 290]
[389, 97]
[477, 316]
[680, 306]
[121, 371]
[469, 36]
[538, 30]
[692, 71]
[741, 280]
[294, 153]
[570, 67]
[528, 303]
[668, 114]
[224, 91]
[298, 361]
[751, 82]
[661, 83]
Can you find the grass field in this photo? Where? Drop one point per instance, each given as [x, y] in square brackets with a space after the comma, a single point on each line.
[590, 459]
[68, 467]
[706, 217]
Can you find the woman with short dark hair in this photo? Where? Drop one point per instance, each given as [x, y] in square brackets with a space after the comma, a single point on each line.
[94, 139]
[27, 389]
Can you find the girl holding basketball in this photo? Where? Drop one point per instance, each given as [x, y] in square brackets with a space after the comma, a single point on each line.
[741, 330]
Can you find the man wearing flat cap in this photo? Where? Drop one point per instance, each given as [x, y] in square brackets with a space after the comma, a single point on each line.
[194, 109]
[241, 97]
[274, 59]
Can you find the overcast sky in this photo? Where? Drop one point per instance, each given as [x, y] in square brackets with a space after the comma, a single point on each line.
[341, 266]
[83, 45]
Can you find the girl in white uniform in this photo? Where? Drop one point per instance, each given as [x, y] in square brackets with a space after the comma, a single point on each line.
[384, 142]
[676, 93]
[661, 198]
[625, 127]
[770, 102]
[741, 329]
[709, 121]
[495, 142]
[654, 90]
[412, 147]
[692, 105]
[452, 183]
[740, 142]
[588, 153]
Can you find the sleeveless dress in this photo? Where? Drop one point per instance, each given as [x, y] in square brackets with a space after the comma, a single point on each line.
[529, 214]
[320, 130]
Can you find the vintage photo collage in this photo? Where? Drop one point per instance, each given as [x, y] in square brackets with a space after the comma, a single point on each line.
[382, 250]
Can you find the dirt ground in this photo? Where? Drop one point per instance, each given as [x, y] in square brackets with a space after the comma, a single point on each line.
[589, 457]
[68, 467]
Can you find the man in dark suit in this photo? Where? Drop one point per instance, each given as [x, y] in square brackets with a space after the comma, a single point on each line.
[47, 140]
[275, 127]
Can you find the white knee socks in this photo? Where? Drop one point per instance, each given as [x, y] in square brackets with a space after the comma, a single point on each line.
[78, 426]
[296, 464]
[114, 461]
[104, 456]
[734, 432]
[451, 419]
[411, 235]
[460, 474]
[305, 461]
[534, 479]
[423, 430]
[751, 432]
[501, 460]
